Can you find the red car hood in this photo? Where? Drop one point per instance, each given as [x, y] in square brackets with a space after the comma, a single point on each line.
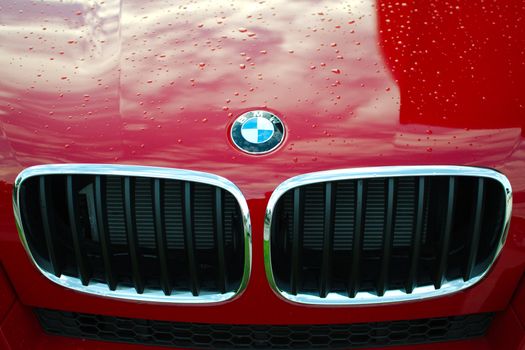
[356, 84]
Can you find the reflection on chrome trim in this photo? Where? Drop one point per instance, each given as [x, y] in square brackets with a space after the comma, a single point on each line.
[390, 296]
[129, 293]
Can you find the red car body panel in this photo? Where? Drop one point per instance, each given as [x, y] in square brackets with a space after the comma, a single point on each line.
[356, 84]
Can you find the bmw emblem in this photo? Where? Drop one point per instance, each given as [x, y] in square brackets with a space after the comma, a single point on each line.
[257, 132]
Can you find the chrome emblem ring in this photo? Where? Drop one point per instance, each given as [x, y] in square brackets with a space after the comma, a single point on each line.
[257, 132]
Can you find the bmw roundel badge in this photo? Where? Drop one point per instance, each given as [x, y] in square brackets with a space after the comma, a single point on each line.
[257, 132]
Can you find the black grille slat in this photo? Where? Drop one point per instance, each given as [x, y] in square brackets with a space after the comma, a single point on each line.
[353, 284]
[101, 227]
[131, 229]
[476, 230]
[48, 227]
[388, 237]
[326, 262]
[297, 238]
[443, 251]
[160, 237]
[181, 238]
[417, 236]
[238, 336]
[189, 238]
[361, 238]
[219, 240]
[78, 247]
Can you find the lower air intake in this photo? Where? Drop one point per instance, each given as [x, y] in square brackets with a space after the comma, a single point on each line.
[135, 232]
[385, 234]
[213, 336]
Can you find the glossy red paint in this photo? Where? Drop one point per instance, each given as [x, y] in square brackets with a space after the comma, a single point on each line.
[360, 83]
[7, 295]
[518, 303]
[20, 329]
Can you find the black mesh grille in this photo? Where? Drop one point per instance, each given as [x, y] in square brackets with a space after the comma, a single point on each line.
[152, 234]
[196, 335]
[379, 234]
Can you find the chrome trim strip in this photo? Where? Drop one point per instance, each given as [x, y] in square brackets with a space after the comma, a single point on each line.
[390, 296]
[129, 293]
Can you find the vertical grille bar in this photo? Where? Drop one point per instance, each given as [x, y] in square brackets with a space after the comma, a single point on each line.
[80, 254]
[189, 237]
[387, 237]
[131, 230]
[105, 244]
[219, 240]
[415, 247]
[359, 229]
[329, 217]
[445, 235]
[476, 231]
[48, 226]
[160, 236]
[297, 240]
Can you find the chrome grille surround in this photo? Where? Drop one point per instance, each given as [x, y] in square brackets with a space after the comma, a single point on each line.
[390, 296]
[124, 292]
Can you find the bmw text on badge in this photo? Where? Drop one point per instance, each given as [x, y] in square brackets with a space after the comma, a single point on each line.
[257, 132]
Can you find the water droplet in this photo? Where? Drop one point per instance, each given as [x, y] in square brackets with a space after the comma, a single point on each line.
[429, 149]
[243, 30]
[202, 64]
[242, 66]
[336, 71]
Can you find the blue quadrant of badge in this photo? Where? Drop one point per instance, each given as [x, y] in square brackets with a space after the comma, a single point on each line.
[257, 130]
